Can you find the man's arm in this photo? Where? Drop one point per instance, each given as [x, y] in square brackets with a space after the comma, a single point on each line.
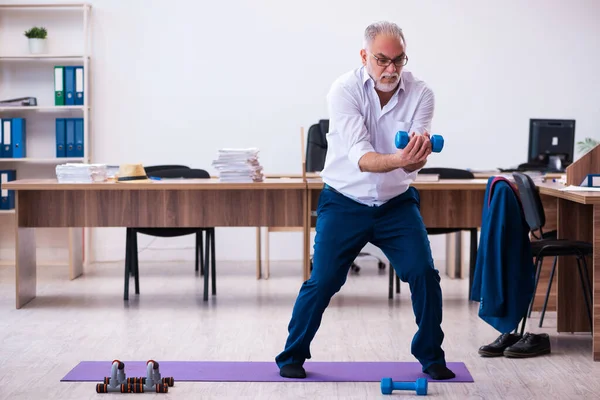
[422, 124]
[411, 158]
[348, 122]
[376, 162]
[424, 113]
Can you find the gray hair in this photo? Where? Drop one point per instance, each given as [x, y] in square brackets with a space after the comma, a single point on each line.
[382, 27]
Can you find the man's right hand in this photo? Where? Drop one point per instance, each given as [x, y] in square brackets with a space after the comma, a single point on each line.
[416, 151]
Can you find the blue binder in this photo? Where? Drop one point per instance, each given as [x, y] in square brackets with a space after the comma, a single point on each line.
[79, 89]
[70, 136]
[78, 137]
[7, 151]
[69, 86]
[7, 197]
[61, 137]
[19, 138]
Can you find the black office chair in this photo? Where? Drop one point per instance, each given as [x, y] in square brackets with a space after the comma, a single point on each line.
[316, 151]
[445, 173]
[150, 169]
[208, 248]
[547, 245]
[154, 168]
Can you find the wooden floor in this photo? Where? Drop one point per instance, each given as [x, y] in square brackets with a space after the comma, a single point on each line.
[86, 319]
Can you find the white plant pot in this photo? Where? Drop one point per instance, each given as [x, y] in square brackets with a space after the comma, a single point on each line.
[37, 46]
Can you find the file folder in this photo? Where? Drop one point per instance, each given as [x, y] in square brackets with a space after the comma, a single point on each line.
[7, 138]
[69, 86]
[59, 86]
[7, 197]
[19, 138]
[79, 90]
[61, 149]
[78, 137]
[70, 136]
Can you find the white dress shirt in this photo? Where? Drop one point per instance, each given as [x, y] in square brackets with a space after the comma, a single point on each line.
[358, 125]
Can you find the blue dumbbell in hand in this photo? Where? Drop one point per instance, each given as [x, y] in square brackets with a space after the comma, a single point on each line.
[437, 141]
[388, 385]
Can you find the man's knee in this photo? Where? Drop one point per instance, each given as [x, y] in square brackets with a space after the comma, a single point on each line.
[422, 269]
[327, 283]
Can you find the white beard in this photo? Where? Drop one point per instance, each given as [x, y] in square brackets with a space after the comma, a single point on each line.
[384, 87]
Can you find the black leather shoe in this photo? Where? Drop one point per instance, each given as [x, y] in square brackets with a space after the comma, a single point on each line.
[531, 345]
[497, 347]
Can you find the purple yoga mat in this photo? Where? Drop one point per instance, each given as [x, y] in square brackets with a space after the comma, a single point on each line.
[265, 371]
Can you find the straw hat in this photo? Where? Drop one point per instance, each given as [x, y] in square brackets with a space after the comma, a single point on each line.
[132, 173]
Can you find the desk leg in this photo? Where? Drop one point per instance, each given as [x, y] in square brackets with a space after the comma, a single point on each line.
[306, 234]
[25, 265]
[258, 252]
[574, 223]
[596, 285]
[453, 254]
[75, 253]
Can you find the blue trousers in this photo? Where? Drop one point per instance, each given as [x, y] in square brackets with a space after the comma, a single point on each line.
[343, 228]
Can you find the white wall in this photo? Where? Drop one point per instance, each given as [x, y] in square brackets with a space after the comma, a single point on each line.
[174, 81]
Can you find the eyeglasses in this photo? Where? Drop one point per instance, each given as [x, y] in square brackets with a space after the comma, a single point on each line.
[385, 62]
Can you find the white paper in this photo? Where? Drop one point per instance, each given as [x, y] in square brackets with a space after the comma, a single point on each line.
[573, 188]
[238, 165]
[81, 173]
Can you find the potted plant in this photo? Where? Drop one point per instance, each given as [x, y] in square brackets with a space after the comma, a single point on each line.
[586, 145]
[37, 39]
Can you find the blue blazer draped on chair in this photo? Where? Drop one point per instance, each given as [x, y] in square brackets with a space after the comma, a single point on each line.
[504, 273]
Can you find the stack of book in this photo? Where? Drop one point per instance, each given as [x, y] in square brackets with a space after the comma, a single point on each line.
[81, 173]
[238, 165]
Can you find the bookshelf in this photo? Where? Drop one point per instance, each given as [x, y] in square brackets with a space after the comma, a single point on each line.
[23, 74]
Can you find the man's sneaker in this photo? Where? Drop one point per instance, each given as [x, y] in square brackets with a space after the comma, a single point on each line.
[531, 345]
[497, 347]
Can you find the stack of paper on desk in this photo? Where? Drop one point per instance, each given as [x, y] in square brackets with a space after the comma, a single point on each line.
[81, 173]
[239, 165]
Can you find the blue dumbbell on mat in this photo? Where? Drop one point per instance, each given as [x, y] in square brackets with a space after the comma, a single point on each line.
[437, 141]
[388, 385]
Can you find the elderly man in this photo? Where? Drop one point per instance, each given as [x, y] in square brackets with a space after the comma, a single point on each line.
[367, 197]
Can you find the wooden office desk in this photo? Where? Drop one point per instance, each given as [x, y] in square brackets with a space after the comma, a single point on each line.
[277, 202]
[578, 218]
[158, 204]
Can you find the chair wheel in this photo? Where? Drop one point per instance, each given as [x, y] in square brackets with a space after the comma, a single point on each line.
[381, 265]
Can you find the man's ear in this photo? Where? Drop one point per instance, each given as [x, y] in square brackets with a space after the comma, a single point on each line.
[363, 56]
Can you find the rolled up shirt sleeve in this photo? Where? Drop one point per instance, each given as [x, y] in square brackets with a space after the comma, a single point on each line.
[424, 113]
[346, 120]
[422, 121]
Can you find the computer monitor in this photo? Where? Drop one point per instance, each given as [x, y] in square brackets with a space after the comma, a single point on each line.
[551, 143]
